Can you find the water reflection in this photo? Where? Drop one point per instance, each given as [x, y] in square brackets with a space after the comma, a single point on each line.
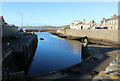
[76, 46]
[54, 54]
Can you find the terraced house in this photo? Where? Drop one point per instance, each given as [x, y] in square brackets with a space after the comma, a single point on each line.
[111, 23]
[92, 24]
[79, 25]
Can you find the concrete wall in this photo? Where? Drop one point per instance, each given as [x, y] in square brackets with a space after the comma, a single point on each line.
[104, 34]
[8, 31]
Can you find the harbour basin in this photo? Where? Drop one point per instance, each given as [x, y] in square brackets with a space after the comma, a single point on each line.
[54, 53]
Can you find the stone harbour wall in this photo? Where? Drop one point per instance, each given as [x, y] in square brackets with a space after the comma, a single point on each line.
[100, 34]
[8, 31]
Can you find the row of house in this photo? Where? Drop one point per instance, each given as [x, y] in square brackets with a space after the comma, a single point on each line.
[79, 25]
[111, 23]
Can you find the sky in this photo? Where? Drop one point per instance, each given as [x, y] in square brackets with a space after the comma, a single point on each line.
[56, 13]
[60, 0]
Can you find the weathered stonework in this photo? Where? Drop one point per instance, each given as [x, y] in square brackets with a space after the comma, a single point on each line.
[101, 34]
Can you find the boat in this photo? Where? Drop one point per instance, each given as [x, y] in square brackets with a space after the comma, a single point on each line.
[41, 38]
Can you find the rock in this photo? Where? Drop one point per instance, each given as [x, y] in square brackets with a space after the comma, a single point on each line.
[117, 58]
[112, 68]
[101, 77]
[92, 74]
[114, 75]
[114, 64]
[109, 72]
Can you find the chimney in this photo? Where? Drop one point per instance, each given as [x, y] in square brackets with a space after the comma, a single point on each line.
[92, 21]
[111, 17]
[84, 21]
[114, 15]
[103, 18]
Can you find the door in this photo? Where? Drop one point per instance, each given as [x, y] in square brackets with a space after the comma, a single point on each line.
[81, 27]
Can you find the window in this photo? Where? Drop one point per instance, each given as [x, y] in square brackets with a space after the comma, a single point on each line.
[116, 21]
[116, 27]
[113, 21]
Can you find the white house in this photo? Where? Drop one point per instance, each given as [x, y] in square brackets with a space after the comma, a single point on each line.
[111, 23]
[79, 25]
[73, 24]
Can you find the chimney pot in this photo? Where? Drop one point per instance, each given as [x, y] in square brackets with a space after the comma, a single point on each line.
[111, 17]
[103, 18]
[114, 15]
[84, 21]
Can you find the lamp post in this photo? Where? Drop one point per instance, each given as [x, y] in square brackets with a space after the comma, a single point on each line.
[21, 24]
[21, 19]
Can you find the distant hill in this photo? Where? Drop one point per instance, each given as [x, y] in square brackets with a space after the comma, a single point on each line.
[40, 27]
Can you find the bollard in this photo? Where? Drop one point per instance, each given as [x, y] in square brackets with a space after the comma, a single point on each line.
[84, 51]
[85, 40]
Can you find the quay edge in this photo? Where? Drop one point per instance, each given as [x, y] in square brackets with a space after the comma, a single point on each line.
[21, 59]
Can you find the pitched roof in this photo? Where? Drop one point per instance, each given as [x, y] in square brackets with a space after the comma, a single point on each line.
[79, 23]
[2, 21]
[76, 22]
[114, 18]
[106, 20]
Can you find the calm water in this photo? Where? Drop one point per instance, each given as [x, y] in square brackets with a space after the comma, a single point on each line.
[37, 29]
[54, 53]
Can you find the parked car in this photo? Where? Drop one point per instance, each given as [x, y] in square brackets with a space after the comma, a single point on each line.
[105, 28]
[97, 27]
[89, 28]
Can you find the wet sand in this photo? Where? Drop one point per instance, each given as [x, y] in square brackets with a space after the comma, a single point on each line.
[103, 55]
